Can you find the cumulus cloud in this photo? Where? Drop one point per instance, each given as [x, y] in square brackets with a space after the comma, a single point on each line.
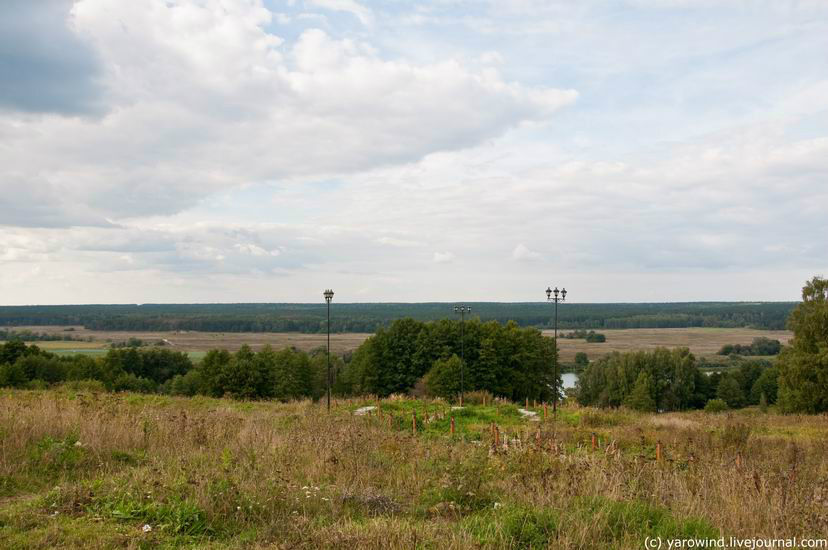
[237, 146]
[46, 66]
[521, 253]
[205, 98]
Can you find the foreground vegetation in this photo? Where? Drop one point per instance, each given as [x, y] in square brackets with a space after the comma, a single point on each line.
[96, 470]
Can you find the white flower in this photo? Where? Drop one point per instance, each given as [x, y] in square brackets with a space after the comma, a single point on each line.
[78, 444]
[147, 528]
[497, 505]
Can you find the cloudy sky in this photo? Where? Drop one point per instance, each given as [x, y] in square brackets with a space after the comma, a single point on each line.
[263, 150]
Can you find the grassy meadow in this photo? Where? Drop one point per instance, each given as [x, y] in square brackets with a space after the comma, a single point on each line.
[703, 342]
[98, 470]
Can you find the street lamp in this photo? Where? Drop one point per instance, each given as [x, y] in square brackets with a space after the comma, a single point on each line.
[328, 297]
[559, 296]
[462, 310]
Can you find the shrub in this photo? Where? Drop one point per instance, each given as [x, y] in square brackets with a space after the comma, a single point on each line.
[478, 397]
[736, 435]
[715, 406]
[84, 386]
[12, 375]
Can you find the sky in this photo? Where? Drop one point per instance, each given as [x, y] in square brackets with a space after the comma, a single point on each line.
[158, 151]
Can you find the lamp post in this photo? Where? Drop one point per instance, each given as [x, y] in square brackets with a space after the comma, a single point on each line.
[559, 296]
[462, 310]
[328, 297]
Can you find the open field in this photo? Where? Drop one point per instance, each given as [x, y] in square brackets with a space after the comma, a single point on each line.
[89, 470]
[191, 341]
[704, 342]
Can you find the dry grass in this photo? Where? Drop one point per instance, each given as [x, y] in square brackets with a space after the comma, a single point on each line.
[90, 470]
[704, 342]
[202, 341]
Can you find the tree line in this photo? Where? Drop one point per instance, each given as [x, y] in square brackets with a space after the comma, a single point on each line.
[311, 318]
[759, 346]
[670, 380]
[503, 359]
[506, 360]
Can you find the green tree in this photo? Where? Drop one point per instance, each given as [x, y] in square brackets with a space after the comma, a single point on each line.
[803, 364]
[443, 380]
[641, 397]
[730, 392]
[766, 385]
[581, 359]
[12, 375]
[212, 367]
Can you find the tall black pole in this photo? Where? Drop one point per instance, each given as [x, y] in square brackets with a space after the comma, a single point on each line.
[555, 373]
[328, 294]
[329, 355]
[462, 351]
[559, 295]
[462, 310]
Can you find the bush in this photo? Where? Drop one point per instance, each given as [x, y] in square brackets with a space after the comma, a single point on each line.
[478, 397]
[130, 382]
[189, 384]
[84, 386]
[715, 406]
[595, 338]
[443, 380]
[12, 375]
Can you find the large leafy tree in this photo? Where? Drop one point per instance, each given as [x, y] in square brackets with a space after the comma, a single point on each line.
[641, 397]
[803, 364]
[505, 360]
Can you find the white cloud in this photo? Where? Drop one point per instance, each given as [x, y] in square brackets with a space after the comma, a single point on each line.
[365, 15]
[205, 99]
[404, 243]
[521, 253]
[443, 257]
[220, 155]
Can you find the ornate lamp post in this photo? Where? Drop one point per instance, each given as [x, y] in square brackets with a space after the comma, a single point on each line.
[462, 310]
[328, 297]
[559, 296]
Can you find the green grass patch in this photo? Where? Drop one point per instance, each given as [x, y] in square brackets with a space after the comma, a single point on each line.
[614, 521]
[513, 527]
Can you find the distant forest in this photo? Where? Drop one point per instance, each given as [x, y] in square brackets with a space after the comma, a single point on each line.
[310, 318]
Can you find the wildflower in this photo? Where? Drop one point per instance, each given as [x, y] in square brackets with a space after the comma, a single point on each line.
[497, 505]
[78, 444]
[147, 528]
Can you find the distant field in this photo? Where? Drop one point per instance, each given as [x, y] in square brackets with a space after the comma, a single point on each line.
[192, 341]
[703, 342]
